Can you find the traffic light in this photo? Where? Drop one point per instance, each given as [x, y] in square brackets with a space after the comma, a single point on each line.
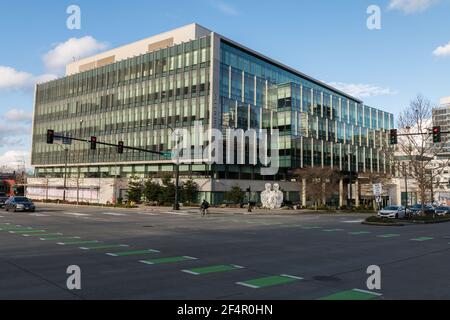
[120, 147]
[437, 136]
[393, 137]
[50, 136]
[93, 143]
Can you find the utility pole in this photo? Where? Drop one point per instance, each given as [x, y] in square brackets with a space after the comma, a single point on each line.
[176, 205]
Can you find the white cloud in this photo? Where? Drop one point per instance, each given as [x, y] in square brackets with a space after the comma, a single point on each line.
[12, 79]
[63, 53]
[18, 115]
[15, 160]
[13, 134]
[442, 51]
[224, 7]
[411, 6]
[362, 90]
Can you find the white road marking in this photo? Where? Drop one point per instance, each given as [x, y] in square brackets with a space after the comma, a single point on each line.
[113, 214]
[190, 272]
[368, 292]
[77, 214]
[178, 213]
[353, 221]
[292, 277]
[149, 213]
[247, 285]
[38, 215]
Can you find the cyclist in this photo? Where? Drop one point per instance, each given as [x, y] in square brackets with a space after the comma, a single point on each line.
[204, 207]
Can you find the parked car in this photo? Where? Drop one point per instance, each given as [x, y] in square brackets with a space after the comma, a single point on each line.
[19, 204]
[2, 201]
[442, 210]
[417, 209]
[393, 212]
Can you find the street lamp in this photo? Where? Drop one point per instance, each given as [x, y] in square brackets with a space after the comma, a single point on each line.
[176, 205]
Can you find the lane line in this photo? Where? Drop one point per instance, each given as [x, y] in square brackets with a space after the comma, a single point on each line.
[269, 281]
[389, 235]
[167, 260]
[116, 214]
[422, 239]
[58, 238]
[28, 232]
[77, 242]
[132, 253]
[41, 235]
[77, 214]
[100, 247]
[212, 269]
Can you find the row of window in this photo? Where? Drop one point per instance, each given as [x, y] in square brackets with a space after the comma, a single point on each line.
[181, 86]
[246, 88]
[162, 62]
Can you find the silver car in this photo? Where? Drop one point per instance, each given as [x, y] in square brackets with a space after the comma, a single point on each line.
[392, 212]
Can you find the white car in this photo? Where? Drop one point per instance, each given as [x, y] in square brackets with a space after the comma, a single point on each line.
[392, 212]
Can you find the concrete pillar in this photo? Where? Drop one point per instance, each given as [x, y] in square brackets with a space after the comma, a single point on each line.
[303, 192]
[341, 193]
[357, 200]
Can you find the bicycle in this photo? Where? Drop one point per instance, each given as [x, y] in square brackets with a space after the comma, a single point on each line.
[203, 211]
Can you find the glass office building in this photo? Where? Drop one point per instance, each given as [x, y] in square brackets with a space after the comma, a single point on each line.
[194, 76]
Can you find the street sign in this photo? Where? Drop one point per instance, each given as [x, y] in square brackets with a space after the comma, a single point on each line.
[378, 199]
[167, 155]
[377, 189]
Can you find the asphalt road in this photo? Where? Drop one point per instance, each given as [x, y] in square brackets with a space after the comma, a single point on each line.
[222, 256]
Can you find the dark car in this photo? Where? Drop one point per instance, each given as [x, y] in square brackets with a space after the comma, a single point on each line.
[417, 209]
[2, 201]
[442, 210]
[19, 204]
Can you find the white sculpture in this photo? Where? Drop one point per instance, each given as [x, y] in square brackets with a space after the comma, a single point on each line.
[278, 196]
[272, 199]
[265, 195]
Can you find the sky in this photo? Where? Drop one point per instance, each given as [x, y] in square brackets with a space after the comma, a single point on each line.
[409, 54]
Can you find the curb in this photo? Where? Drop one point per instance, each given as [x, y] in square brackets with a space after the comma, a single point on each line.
[396, 224]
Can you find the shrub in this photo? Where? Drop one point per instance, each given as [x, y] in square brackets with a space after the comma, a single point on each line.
[235, 195]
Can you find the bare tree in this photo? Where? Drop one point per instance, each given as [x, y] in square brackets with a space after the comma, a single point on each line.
[321, 183]
[417, 149]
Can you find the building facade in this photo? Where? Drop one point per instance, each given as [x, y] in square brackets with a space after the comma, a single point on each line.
[192, 77]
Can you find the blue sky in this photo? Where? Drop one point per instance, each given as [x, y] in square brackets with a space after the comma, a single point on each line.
[326, 39]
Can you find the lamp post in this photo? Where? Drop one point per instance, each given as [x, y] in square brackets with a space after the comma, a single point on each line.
[176, 205]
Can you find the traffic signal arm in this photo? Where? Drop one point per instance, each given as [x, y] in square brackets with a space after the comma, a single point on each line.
[93, 141]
